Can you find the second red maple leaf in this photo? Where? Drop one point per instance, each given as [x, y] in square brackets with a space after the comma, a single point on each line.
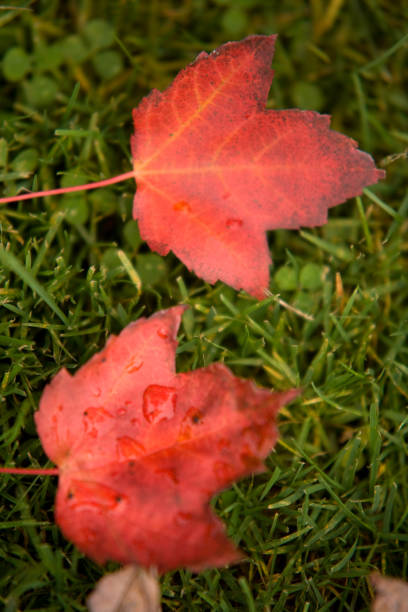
[141, 449]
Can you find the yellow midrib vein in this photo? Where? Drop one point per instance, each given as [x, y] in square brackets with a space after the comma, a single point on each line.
[190, 120]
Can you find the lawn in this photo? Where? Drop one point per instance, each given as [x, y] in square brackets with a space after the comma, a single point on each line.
[333, 505]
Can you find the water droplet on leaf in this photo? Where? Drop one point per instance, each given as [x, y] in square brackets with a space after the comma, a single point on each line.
[94, 494]
[129, 448]
[96, 414]
[162, 333]
[182, 206]
[159, 403]
[183, 518]
[134, 365]
[234, 223]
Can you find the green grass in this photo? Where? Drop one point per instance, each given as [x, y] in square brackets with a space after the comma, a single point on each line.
[332, 506]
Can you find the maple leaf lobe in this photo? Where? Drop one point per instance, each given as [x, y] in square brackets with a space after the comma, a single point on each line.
[215, 170]
[140, 460]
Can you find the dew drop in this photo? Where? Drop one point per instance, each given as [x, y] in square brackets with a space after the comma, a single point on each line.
[96, 414]
[159, 403]
[183, 518]
[94, 494]
[234, 223]
[121, 411]
[182, 206]
[162, 333]
[129, 448]
[134, 365]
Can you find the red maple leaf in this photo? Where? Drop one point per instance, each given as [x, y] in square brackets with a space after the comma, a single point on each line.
[215, 169]
[141, 449]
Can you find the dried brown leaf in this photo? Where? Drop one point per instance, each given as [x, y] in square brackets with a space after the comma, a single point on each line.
[130, 589]
[391, 594]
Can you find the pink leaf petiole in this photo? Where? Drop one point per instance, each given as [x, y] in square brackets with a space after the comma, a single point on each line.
[30, 471]
[49, 192]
